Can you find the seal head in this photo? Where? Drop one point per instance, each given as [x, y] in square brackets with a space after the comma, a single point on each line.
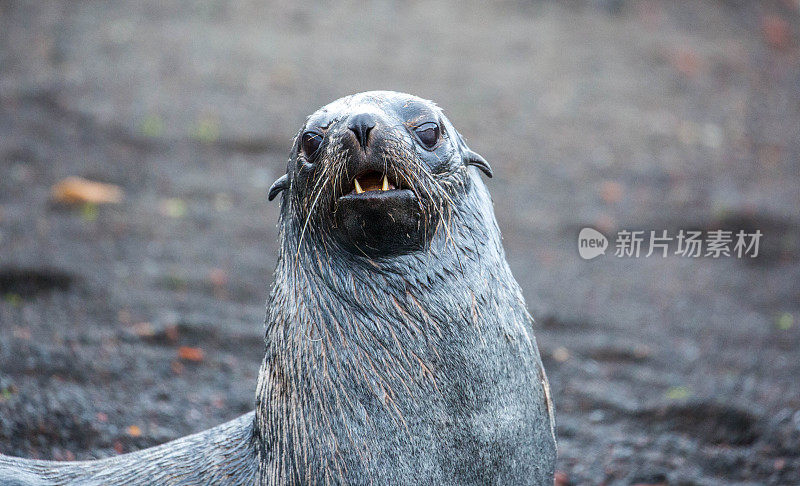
[375, 173]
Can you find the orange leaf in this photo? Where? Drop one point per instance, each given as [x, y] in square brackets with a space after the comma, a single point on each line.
[777, 31]
[190, 354]
[76, 190]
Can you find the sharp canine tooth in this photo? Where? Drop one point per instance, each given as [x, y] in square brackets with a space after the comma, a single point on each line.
[358, 187]
[385, 183]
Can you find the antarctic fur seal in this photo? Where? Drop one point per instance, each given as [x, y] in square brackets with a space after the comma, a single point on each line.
[398, 346]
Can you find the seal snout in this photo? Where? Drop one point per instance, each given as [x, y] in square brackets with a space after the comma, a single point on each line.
[361, 124]
[365, 138]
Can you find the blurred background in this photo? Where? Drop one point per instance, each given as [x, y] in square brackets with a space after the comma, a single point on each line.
[131, 313]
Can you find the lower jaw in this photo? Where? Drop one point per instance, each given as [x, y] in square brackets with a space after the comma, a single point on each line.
[381, 223]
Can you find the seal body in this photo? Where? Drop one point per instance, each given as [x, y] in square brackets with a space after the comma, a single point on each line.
[398, 346]
[392, 363]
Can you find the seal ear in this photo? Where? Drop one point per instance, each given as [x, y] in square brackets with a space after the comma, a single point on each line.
[474, 158]
[278, 186]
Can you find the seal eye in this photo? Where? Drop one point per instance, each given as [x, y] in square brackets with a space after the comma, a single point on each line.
[311, 141]
[428, 134]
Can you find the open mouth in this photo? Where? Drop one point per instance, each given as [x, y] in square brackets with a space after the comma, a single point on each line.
[372, 181]
[379, 215]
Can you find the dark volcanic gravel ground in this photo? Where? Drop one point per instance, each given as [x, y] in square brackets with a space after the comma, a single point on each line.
[615, 114]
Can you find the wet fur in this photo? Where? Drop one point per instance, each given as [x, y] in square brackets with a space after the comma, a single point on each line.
[407, 370]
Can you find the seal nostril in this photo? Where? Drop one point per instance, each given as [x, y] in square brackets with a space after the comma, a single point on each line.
[361, 124]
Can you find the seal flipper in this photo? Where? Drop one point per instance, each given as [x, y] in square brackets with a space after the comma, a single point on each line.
[224, 455]
[474, 158]
[278, 186]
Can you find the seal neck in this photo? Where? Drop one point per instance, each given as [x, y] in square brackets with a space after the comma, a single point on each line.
[318, 290]
[342, 330]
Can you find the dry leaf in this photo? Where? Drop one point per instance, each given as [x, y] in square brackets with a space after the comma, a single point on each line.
[190, 354]
[777, 31]
[76, 190]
